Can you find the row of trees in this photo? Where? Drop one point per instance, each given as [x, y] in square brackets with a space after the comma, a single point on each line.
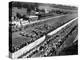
[29, 6]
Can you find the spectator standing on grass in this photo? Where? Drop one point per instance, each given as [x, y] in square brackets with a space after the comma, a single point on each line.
[21, 24]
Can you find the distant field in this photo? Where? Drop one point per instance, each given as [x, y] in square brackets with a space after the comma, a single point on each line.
[65, 7]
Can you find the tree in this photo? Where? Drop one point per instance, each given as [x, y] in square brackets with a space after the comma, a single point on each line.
[17, 4]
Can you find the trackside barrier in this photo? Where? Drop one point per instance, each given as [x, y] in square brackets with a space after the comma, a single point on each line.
[56, 30]
[38, 41]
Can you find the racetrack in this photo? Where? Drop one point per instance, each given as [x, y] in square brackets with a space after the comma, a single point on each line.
[32, 45]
